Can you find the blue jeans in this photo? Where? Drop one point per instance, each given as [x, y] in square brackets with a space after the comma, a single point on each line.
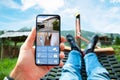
[71, 69]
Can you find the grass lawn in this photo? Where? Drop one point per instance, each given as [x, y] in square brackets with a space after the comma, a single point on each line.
[6, 65]
[117, 52]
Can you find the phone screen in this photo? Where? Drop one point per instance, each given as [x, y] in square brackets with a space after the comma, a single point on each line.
[47, 40]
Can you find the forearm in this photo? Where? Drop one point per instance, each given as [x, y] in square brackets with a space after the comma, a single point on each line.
[16, 74]
[21, 73]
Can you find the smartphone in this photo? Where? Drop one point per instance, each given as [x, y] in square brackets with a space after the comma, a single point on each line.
[47, 40]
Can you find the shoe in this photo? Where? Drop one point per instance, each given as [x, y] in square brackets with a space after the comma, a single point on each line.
[72, 43]
[91, 45]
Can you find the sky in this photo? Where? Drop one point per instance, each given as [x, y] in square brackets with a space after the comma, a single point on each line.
[96, 15]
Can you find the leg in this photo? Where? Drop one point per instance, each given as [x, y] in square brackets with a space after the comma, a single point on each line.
[71, 69]
[95, 71]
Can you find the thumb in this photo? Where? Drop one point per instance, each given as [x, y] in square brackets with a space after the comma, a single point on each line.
[31, 38]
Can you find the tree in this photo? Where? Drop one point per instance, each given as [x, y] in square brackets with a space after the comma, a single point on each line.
[117, 41]
[112, 36]
[56, 25]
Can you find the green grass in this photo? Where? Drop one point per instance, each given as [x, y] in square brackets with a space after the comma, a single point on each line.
[6, 65]
[117, 51]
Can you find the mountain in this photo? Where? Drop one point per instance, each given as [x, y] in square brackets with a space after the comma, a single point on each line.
[23, 29]
[85, 34]
[88, 34]
[1, 32]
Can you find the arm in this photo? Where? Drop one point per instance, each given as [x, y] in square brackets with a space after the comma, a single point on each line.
[25, 68]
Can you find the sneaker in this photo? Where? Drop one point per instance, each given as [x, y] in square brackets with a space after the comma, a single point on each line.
[72, 43]
[91, 45]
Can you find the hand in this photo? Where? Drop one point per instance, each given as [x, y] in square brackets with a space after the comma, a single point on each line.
[26, 68]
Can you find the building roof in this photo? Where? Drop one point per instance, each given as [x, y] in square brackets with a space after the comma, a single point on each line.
[14, 34]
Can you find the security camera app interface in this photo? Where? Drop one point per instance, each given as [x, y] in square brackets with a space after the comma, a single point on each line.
[47, 39]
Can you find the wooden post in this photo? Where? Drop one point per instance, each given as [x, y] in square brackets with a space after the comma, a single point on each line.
[78, 29]
[2, 51]
[15, 47]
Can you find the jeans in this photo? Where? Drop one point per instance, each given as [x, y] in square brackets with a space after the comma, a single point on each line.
[72, 68]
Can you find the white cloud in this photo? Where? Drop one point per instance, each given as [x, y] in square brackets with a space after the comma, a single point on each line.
[16, 25]
[113, 13]
[101, 19]
[68, 18]
[10, 4]
[47, 5]
[50, 5]
[112, 17]
[114, 1]
[26, 4]
[102, 0]
[112, 28]
[8, 18]
[69, 11]
[94, 17]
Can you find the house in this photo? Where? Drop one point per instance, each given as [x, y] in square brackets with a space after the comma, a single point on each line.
[105, 40]
[15, 37]
[48, 23]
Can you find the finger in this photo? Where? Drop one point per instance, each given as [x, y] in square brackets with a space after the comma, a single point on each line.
[31, 37]
[63, 39]
[62, 46]
[34, 47]
[33, 50]
[62, 55]
[50, 67]
[61, 64]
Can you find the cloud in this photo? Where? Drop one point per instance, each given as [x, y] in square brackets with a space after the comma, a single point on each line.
[111, 1]
[10, 4]
[17, 25]
[102, 0]
[97, 16]
[68, 18]
[113, 13]
[26, 4]
[47, 5]
[112, 17]
[69, 11]
[50, 5]
[112, 28]
[100, 18]
[114, 1]
[4, 17]
[105, 21]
